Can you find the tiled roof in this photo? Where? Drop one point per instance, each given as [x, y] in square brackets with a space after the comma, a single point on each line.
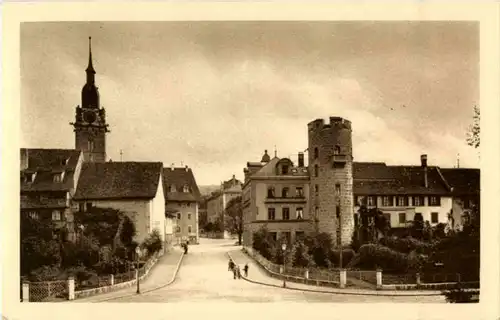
[231, 183]
[45, 163]
[119, 180]
[179, 177]
[378, 178]
[464, 181]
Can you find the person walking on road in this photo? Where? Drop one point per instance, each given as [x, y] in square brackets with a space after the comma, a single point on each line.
[235, 272]
[230, 265]
[245, 268]
[238, 272]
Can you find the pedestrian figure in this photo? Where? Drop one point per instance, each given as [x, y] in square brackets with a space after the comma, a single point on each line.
[238, 272]
[235, 272]
[230, 265]
[246, 270]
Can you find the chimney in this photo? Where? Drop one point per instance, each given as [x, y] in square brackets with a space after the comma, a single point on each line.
[187, 168]
[24, 159]
[423, 162]
[172, 166]
[301, 159]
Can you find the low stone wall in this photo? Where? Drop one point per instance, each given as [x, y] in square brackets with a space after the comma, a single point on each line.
[114, 287]
[430, 286]
[320, 283]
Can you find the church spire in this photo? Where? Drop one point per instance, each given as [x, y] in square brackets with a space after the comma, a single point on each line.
[90, 68]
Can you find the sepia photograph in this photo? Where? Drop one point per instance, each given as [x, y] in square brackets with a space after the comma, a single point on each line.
[250, 161]
[168, 161]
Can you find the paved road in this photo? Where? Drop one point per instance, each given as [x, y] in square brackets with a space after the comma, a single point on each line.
[203, 276]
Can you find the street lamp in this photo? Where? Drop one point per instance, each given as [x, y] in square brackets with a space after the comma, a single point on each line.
[137, 251]
[81, 227]
[283, 247]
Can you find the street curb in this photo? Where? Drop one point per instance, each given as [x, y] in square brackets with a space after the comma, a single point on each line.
[337, 292]
[150, 290]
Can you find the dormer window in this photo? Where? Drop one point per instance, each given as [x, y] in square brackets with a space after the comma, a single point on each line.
[185, 189]
[64, 162]
[58, 177]
[29, 177]
[172, 188]
[284, 169]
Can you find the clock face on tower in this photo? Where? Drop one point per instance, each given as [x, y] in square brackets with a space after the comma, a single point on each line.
[89, 116]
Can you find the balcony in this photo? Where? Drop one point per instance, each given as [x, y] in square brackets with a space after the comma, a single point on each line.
[294, 199]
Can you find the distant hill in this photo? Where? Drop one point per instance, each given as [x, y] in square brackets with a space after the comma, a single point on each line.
[206, 190]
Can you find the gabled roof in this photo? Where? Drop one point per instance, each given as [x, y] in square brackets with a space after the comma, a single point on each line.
[45, 163]
[378, 178]
[119, 180]
[464, 181]
[179, 177]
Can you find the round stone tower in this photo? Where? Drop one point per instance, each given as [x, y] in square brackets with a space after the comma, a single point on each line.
[330, 167]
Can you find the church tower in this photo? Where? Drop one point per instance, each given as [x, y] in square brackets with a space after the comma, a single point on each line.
[90, 125]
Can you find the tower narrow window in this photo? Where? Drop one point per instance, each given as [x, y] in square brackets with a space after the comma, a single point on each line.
[90, 145]
[337, 190]
[336, 150]
[316, 153]
[316, 170]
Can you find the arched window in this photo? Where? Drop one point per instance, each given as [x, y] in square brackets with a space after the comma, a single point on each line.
[316, 153]
[336, 150]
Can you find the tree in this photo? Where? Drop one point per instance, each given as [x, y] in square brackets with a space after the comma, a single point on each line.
[234, 217]
[300, 255]
[473, 134]
[128, 231]
[153, 242]
[373, 225]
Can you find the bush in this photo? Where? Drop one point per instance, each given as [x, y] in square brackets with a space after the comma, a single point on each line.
[36, 253]
[153, 243]
[320, 246]
[300, 256]
[347, 256]
[45, 273]
[264, 244]
[128, 231]
[406, 245]
[373, 256]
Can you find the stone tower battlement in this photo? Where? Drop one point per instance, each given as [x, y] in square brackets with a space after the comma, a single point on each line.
[330, 167]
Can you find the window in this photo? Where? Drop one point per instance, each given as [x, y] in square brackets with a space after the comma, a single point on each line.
[356, 220]
[387, 201]
[299, 235]
[337, 211]
[284, 192]
[402, 218]
[371, 201]
[286, 213]
[274, 235]
[337, 190]
[189, 229]
[43, 197]
[91, 157]
[316, 153]
[172, 188]
[178, 216]
[402, 201]
[178, 229]
[299, 192]
[271, 213]
[189, 216]
[316, 189]
[418, 201]
[434, 217]
[284, 169]
[56, 215]
[270, 192]
[33, 215]
[316, 212]
[316, 170]
[90, 145]
[361, 200]
[336, 150]
[299, 213]
[185, 189]
[434, 201]
[57, 177]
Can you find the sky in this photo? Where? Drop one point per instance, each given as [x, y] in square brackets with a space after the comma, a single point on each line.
[214, 95]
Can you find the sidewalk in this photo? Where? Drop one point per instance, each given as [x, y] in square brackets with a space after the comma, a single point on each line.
[161, 274]
[257, 274]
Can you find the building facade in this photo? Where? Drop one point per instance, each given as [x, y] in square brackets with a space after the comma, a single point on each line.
[218, 200]
[275, 195]
[182, 199]
[135, 188]
[49, 180]
[336, 187]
